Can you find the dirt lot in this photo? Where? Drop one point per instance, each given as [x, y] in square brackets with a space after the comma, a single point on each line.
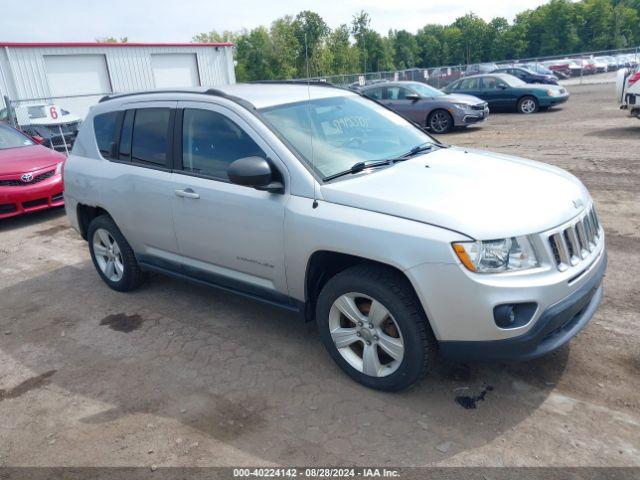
[176, 374]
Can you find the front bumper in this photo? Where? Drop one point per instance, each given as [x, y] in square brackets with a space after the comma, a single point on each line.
[18, 200]
[551, 101]
[462, 118]
[558, 324]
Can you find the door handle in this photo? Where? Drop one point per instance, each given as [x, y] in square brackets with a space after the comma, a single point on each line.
[187, 193]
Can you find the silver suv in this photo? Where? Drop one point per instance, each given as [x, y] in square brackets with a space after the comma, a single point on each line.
[323, 202]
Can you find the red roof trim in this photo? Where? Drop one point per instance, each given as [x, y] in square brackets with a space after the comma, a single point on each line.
[100, 44]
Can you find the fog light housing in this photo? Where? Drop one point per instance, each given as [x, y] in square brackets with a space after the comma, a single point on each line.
[514, 315]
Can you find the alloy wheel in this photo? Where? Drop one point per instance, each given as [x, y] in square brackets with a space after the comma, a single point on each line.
[108, 255]
[528, 105]
[366, 334]
[439, 122]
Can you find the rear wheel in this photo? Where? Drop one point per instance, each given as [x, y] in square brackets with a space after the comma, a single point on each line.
[112, 255]
[528, 105]
[440, 121]
[373, 326]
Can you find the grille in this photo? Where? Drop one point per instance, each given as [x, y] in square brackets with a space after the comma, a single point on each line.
[480, 106]
[20, 183]
[35, 203]
[572, 245]
[7, 208]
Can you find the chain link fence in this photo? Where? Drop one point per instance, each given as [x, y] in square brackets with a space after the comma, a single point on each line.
[52, 121]
[577, 68]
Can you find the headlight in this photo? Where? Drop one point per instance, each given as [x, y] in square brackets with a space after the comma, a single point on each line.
[492, 256]
[551, 93]
[59, 168]
[462, 106]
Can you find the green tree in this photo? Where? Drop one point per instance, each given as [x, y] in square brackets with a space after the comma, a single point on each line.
[405, 49]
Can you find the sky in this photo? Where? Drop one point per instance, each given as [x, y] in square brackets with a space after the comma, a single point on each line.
[179, 20]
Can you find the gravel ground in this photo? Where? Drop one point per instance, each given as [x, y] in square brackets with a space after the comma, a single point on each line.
[176, 374]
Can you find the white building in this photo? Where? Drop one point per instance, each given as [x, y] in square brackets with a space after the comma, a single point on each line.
[76, 75]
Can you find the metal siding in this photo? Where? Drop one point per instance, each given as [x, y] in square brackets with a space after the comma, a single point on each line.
[129, 67]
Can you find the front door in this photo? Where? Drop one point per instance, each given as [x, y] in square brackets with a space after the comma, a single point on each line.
[227, 234]
[496, 92]
[396, 98]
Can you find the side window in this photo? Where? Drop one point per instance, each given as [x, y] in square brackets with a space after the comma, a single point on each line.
[104, 127]
[490, 83]
[151, 136]
[374, 93]
[396, 93]
[469, 84]
[211, 142]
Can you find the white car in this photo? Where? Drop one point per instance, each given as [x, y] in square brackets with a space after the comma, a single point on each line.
[628, 90]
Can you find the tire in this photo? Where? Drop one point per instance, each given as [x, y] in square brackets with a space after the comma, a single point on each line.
[528, 105]
[440, 121]
[400, 320]
[125, 274]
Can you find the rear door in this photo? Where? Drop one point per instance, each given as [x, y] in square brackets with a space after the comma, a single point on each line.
[139, 189]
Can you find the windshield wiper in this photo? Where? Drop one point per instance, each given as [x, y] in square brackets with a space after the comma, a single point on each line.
[425, 147]
[356, 168]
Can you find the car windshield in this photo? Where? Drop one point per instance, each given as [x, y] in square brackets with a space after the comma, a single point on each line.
[9, 138]
[343, 131]
[513, 81]
[426, 90]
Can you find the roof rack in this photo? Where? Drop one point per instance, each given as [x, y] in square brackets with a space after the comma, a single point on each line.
[210, 91]
[314, 81]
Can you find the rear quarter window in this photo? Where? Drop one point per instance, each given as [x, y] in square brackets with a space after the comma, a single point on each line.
[104, 126]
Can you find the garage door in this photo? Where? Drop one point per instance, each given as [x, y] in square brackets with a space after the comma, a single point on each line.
[77, 74]
[175, 70]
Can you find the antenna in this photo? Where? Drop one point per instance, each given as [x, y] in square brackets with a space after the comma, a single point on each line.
[313, 165]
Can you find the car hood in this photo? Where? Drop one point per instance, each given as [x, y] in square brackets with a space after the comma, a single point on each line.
[27, 159]
[482, 195]
[461, 98]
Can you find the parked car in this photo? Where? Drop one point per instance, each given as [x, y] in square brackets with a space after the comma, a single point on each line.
[601, 65]
[611, 63]
[478, 68]
[560, 68]
[502, 91]
[325, 203]
[541, 69]
[30, 174]
[429, 107]
[50, 124]
[628, 90]
[528, 76]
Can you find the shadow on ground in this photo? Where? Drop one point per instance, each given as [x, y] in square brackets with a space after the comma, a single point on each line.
[247, 375]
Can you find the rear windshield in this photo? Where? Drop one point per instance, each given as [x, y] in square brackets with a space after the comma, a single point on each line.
[10, 138]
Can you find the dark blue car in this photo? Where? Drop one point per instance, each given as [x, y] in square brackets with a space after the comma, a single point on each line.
[528, 76]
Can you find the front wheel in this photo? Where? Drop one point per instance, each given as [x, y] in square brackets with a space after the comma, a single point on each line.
[528, 105]
[440, 121]
[373, 326]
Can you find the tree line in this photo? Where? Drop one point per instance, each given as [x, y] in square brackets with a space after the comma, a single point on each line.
[558, 27]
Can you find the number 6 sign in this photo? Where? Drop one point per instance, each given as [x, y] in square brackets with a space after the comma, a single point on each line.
[53, 113]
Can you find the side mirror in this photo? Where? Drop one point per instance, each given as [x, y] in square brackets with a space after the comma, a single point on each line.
[502, 87]
[254, 172]
[414, 97]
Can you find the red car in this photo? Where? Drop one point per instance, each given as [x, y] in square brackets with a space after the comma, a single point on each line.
[30, 174]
